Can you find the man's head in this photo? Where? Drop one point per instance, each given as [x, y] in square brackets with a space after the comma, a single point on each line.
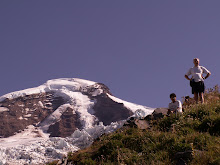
[196, 61]
[173, 97]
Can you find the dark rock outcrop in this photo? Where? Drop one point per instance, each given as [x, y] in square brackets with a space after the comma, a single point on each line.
[107, 110]
[66, 126]
[145, 123]
[27, 110]
[157, 114]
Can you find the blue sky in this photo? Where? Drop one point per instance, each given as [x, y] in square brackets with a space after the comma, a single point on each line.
[139, 49]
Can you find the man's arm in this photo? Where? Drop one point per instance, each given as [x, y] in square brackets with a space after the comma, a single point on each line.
[187, 74]
[187, 77]
[208, 74]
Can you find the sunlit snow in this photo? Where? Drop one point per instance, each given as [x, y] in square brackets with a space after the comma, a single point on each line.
[72, 84]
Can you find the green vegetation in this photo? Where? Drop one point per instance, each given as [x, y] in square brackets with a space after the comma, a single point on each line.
[196, 131]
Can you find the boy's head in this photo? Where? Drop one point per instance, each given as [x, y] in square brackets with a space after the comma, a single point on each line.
[173, 97]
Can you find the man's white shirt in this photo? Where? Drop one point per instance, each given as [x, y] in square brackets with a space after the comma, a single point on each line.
[197, 72]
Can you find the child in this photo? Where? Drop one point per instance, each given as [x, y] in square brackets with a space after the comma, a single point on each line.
[174, 106]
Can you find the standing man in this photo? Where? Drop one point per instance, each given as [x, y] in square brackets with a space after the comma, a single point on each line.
[197, 80]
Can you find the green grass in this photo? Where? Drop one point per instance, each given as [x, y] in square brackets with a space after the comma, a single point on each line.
[197, 130]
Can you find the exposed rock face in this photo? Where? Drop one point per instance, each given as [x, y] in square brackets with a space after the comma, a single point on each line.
[66, 126]
[27, 110]
[18, 113]
[108, 111]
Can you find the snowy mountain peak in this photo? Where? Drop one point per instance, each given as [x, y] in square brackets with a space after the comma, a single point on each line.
[57, 85]
[70, 108]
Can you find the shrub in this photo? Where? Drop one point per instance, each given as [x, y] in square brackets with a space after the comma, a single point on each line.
[166, 123]
[88, 161]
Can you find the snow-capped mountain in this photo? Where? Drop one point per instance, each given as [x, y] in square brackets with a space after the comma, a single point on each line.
[45, 122]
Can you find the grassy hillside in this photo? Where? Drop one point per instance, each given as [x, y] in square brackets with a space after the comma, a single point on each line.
[192, 138]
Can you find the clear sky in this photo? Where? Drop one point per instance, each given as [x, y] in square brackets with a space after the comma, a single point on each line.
[141, 49]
